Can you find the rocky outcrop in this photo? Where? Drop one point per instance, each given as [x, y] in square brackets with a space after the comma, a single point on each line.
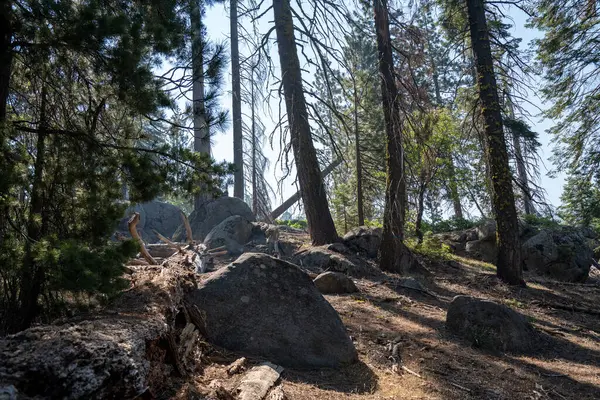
[364, 240]
[233, 233]
[334, 283]
[266, 307]
[130, 350]
[489, 325]
[560, 253]
[211, 214]
[154, 215]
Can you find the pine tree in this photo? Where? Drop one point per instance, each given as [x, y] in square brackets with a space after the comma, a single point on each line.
[316, 207]
[393, 254]
[569, 57]
[509, 260]
[83, 118]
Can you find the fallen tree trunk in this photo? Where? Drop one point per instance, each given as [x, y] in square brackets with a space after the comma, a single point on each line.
[296, 196]
[128, 350]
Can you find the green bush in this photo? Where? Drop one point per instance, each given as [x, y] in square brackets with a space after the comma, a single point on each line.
[293, 223]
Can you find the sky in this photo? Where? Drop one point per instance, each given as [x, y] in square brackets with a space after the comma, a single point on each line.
[217, 23]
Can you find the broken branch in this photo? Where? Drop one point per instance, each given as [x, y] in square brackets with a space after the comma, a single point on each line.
[188, 228]
[131, 224]
[167, 241]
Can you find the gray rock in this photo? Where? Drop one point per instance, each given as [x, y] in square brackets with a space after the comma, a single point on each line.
[212, 214]
[560, 253]
[490, 325]
[334, 283]
[320, 259]
[484, 250]
[411, 283]
[487, 230]
[266, 307]
[154, 215]
[233, 233]
[338, 248]
[364, 239]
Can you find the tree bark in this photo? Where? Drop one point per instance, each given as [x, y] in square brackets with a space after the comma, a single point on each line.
[392, 251]
[420, 210]
[320, 224]
[521, 168]
[254, 150]
[201, 133]
[236, 106]
[359, 189]
[508, 264]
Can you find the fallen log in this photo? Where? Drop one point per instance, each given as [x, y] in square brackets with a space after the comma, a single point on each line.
[296, 196]
[130, 349]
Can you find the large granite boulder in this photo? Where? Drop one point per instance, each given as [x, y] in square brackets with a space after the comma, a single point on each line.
[490, 325]
[487, 230]
[154, 215]
[484, 250]
[211, 214]
[233, 233]
[364, 239]
[262, 306]
[561, 253]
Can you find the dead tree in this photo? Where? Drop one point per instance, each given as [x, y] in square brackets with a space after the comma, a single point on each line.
[312, 189]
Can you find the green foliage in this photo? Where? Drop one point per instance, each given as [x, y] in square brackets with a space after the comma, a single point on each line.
[580, 201]
[431, 247]
[293, 223]
[86, 118]
[449, 225]
[540, 221]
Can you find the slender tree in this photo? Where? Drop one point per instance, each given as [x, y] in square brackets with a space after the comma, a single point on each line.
[200, 123]
[236, 104]
[503, 203]
[314, 197]
[393, 254]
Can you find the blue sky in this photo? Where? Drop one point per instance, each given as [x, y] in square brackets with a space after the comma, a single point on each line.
[217, 22]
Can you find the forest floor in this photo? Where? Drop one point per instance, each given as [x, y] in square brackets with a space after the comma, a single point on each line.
[439, 365]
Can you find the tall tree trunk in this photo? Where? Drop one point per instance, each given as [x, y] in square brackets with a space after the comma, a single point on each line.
[32, 276]
[521, 168]
[320, 224]
[420, 210]
[392, 249]
[509, 258]
[201, 134]
[359, 189]
[253, 129]
[236, 106]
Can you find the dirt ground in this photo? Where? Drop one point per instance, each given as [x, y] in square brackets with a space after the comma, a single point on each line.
[430, 363]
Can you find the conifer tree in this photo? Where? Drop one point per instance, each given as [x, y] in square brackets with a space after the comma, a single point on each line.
[509, 261]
